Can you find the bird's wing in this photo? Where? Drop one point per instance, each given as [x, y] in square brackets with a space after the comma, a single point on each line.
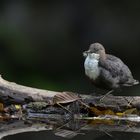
[116, 68]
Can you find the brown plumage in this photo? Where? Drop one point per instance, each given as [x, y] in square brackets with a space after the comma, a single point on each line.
[105, 70]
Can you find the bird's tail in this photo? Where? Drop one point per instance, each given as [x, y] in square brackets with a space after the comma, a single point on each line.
[131, 83]
[136, 82]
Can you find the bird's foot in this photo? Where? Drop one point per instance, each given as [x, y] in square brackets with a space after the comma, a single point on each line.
[108, 93]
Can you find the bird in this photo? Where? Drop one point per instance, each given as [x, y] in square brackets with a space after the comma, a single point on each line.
[106, 71]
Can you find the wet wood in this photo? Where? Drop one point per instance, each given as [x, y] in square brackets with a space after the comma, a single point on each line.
[115, 102]
[68, 108]
[12, 92]
[21, 127]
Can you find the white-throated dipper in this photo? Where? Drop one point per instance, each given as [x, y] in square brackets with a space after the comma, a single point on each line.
[105, 70]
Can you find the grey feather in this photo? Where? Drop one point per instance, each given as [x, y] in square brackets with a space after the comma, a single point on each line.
[116, 72]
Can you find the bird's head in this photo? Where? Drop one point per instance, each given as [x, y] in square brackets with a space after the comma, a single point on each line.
[95, 50]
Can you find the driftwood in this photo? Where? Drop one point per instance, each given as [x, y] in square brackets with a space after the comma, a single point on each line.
[66, 113]
[12, 92]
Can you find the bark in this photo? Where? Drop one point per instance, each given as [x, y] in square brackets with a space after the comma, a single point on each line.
[12, 92]
[64, 112]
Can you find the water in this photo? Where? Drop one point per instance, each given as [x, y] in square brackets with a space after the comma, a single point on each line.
[92, 135]
[89, 135]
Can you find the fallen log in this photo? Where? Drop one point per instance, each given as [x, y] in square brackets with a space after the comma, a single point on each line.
[66, 113]
[12, 92]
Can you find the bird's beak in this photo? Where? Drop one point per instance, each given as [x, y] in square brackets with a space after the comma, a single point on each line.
[85, 53]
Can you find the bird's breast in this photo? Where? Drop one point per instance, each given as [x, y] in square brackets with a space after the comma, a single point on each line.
[92, 68]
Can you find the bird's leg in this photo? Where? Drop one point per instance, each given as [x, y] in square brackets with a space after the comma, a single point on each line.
[109, 92]
[106, 94]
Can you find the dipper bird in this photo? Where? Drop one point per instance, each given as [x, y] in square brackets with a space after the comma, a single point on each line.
[106, 71]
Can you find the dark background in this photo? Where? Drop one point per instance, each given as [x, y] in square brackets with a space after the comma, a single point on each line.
[41, 43]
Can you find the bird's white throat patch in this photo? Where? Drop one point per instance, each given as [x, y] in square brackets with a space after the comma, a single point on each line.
[91, 66]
